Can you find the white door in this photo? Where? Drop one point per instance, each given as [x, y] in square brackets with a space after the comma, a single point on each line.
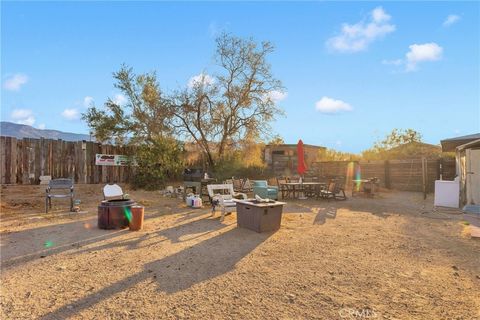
[473, 176]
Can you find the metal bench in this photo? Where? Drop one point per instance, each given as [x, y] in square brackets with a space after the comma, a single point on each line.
[58, 184]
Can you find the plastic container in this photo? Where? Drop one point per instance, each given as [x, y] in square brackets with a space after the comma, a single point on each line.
[136, 223]
[189, 199]
[197, 202]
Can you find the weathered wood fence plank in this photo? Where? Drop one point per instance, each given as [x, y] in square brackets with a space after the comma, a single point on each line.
[23, 161]
[406, 175]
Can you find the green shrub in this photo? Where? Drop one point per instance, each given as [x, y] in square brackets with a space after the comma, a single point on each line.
[156, 163]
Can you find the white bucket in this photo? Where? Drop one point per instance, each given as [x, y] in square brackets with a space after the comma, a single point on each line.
[197, 202]
[189, 199]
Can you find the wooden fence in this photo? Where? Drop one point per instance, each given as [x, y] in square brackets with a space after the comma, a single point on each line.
[407, 175]
[23, 161]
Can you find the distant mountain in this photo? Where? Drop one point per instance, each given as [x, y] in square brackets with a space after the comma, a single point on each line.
[20, 131]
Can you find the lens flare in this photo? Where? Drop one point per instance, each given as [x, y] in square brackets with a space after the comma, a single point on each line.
[358, 178]
[128, 213]
[48, 244]
[353, 174]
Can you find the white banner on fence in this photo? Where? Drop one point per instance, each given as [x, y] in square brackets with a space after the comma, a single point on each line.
[111, 160]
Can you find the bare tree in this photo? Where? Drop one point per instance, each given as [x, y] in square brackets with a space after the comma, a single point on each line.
[217, 112]
[214, 111]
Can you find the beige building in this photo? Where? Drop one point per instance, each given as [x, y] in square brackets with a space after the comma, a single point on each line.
[282, 158]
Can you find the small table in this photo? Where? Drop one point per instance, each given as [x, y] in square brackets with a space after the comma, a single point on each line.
[259, 216]
[368, 186]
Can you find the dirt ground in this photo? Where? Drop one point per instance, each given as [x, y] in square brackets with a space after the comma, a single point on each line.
[392, 257]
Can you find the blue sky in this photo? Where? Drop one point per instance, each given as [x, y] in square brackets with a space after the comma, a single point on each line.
[352, 71]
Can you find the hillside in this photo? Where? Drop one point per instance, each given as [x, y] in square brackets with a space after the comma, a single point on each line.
[20, 131]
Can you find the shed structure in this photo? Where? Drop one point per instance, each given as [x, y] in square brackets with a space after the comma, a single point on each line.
[467, 155]
[282, 158]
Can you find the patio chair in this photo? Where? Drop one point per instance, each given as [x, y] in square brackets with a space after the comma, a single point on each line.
[263, 190]
[282, 187]
[334, 190]
[247, 186]
[294, 191]
[237, 185]
[58, 184]
[224, 198]
[310, 190]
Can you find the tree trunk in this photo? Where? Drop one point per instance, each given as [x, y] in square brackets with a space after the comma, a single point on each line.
[211, 163]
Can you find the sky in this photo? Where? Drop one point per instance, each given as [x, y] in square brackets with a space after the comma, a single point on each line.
[352, 71]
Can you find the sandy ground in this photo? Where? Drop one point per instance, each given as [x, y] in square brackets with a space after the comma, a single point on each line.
[387, 258]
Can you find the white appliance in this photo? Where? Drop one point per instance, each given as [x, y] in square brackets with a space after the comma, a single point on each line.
[447, 193]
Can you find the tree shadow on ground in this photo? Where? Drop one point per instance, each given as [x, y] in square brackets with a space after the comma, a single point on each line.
[323, 214]
[201, 262]
[178, 233]
[27, 245]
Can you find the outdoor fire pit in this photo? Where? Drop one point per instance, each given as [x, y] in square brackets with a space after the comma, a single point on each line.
[259, 216]
[115, 214]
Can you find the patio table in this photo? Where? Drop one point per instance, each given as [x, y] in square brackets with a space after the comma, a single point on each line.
[296, 187]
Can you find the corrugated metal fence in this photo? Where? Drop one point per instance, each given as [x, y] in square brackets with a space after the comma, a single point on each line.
[23, 161]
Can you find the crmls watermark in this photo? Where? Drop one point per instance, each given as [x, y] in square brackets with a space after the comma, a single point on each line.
[353, 314]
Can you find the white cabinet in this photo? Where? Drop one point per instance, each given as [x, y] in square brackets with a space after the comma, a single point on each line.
[447, 193]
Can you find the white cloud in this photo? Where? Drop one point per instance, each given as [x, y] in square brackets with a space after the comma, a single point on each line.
[29, 121]
[418, 53]
[451, 19]
[422, 52]
[330, 105]
[71, 114]
[120, 99]
[88, 101]
[15, 82]
[23, 116]
[41, 126]
[357, 37]
[21, 113]
[277, 96]
[200, 79]
[379, 15]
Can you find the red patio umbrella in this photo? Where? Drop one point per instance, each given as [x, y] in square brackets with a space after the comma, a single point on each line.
[301, 166]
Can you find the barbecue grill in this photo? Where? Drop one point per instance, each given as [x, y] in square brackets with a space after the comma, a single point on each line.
[195, 179]
[193, 175]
